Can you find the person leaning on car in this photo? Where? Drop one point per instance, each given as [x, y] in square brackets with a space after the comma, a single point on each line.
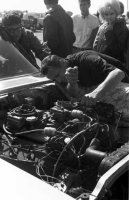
[87, 69]
[29, 45]
[58, 29]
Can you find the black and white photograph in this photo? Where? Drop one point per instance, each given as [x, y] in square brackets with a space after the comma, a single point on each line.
[64, 100]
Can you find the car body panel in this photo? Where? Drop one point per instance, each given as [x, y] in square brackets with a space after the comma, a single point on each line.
[17, 184]
[20, 83]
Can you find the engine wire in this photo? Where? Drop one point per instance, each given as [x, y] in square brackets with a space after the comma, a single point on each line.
[70, 142]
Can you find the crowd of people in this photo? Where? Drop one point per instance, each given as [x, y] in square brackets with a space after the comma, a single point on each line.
[86, 54]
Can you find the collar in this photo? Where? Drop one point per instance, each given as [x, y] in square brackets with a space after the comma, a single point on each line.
[54, 8]
[84, 16]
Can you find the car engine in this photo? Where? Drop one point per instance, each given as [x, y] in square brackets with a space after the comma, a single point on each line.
[65, 143]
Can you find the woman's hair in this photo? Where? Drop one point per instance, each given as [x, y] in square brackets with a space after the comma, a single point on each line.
[51, 60]
[114, 4]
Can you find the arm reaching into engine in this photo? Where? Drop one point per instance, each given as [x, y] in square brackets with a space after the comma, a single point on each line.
[111, 81]
[84, 71]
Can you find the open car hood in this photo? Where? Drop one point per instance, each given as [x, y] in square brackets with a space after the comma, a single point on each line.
[20, 83]
[16, 72]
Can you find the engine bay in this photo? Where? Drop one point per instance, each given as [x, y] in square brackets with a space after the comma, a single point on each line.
[68, 145]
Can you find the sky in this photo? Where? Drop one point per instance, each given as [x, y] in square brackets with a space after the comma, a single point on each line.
[38, 5]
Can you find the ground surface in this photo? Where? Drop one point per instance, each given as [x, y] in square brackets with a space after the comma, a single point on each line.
[39, 34]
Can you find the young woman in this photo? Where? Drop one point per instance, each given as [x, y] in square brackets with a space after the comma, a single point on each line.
[112, 35]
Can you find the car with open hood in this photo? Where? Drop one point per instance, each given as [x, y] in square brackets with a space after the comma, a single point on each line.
[52, 147]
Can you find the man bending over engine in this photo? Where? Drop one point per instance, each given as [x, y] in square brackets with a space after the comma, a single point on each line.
[99, 74]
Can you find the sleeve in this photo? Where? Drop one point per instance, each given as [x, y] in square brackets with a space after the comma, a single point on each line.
[117, 38]
[72, 28]
[50, 33]
[114, 40]
[121, 33]
[116, 63]
[36, 46]
[93, 35]
[100, 67]
[97, 40]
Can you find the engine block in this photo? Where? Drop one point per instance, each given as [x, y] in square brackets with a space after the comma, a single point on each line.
[69, 145]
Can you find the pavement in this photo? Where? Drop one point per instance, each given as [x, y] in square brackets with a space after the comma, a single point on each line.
[39, 34]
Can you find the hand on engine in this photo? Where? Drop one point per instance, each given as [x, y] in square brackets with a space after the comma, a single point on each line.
[90, 99]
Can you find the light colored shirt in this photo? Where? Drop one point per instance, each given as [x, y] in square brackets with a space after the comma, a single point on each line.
[25, 16]
[83, 28]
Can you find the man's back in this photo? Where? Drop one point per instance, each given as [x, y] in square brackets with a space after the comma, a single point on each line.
[58, 31]
[93, 67]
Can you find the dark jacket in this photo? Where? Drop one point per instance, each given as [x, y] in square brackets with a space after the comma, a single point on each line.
[58, 31]
[30, 46]
[94, 67]
[112, 41]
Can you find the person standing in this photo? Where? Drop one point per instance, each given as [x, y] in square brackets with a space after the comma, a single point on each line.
[58, 29]
[112, 35]
[85, 27]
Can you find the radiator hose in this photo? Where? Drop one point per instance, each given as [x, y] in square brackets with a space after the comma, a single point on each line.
[92, 152]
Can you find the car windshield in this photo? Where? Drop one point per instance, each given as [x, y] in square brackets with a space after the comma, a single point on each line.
[12, 62]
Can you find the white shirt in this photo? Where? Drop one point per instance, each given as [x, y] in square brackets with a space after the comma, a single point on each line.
[83, 28]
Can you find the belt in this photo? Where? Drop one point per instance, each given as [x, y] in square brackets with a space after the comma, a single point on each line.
[78, 48]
